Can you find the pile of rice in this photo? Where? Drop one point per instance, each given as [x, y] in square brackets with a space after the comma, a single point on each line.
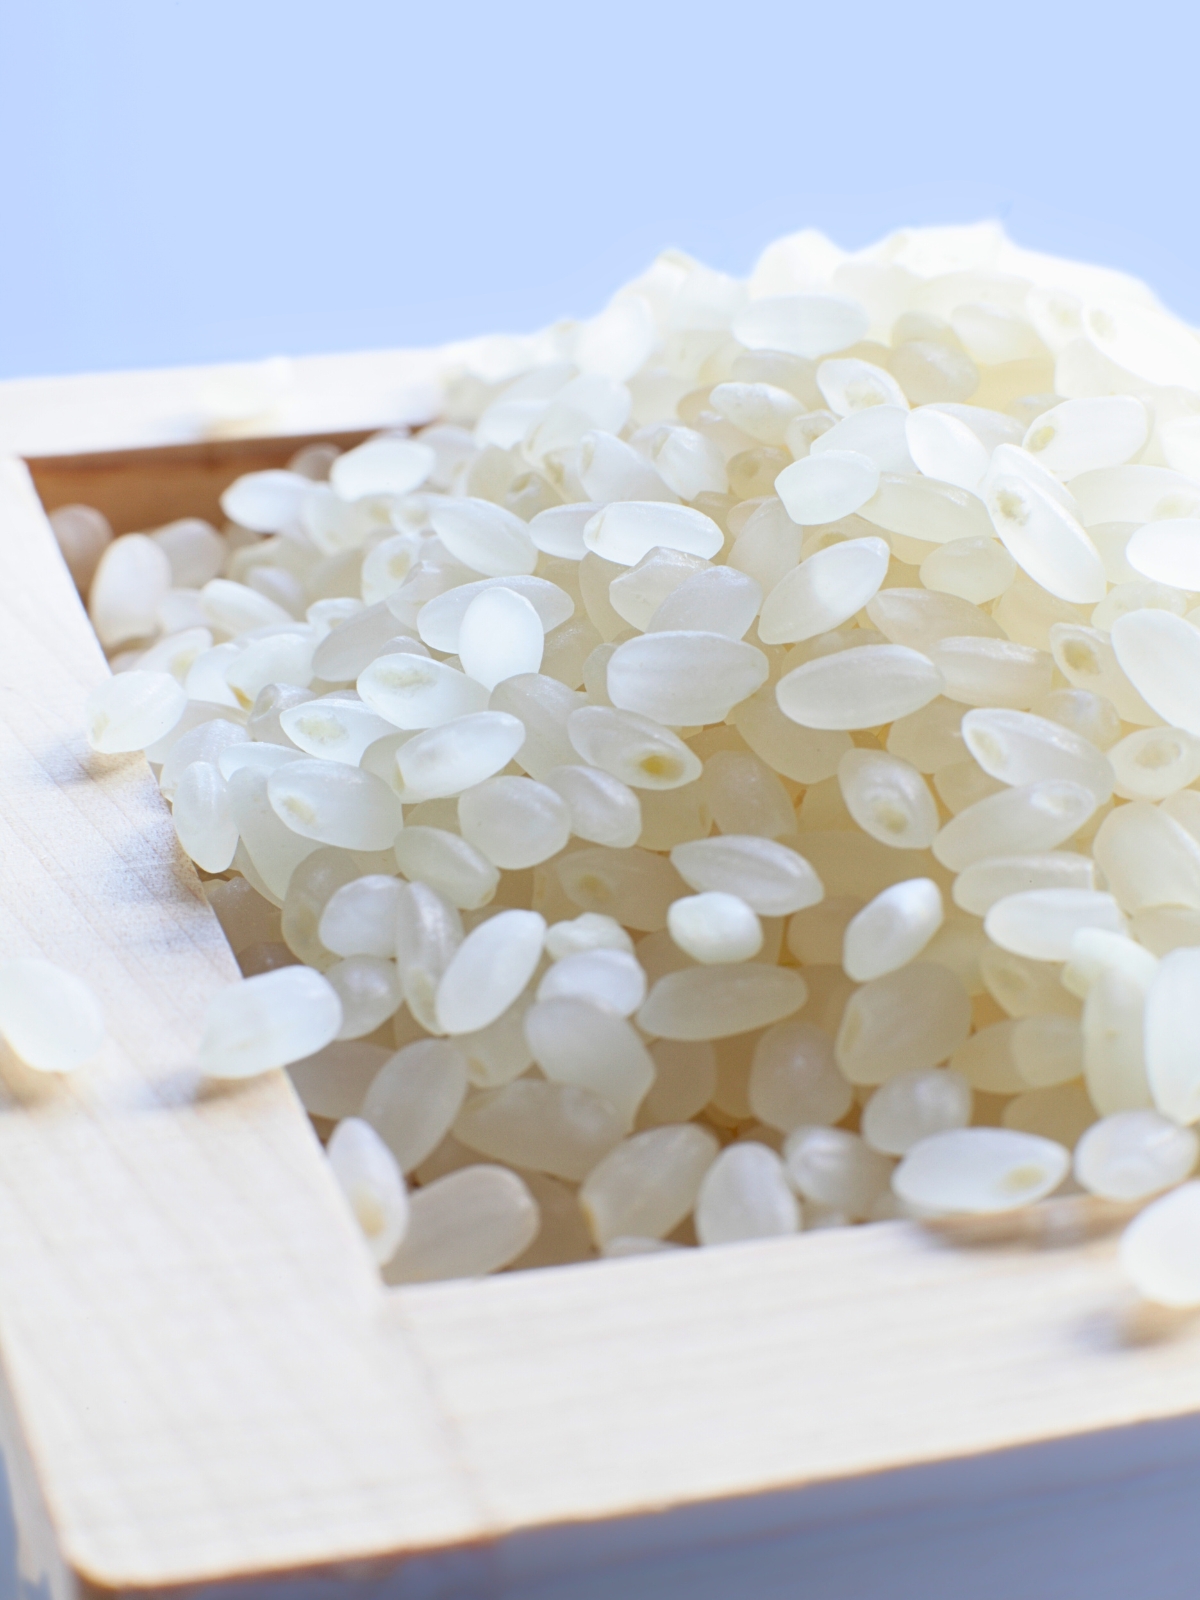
[734, 773]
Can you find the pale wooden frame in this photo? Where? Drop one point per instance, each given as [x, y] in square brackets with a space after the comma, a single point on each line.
[205, 1390]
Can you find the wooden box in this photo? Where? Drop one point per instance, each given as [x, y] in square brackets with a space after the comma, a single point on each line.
[206, 1392]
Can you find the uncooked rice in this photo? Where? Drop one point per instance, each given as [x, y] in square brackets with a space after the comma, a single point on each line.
[734, 773]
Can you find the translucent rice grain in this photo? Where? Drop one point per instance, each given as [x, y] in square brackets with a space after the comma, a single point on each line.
[835, 1168]
[742, 795]
[1047, 1050]
[794, 1078]
[628, 530]
[806, 755]
[540, 1127]
[715, 600]
[715, 928]
[684, 679]
[632, 748]
[860, 688]
[922, 508]
[1167, 552]
[921, 619]
[637, 593]
[558, 531]
[360, 918]
[370, 991]
[1087, 660]
[1153, 763]
[986, 1061]
[514, 822]
[1097, 950]
[745, 1195]
[978, 887]
[977, 569]
[265, 1022]
[1024, 988]
[689, 463]
[591, 931]
[203, 817]
[411, 691]
[758, 409]
[280, 658]
[334, 730]
[1160, 655]
[1084, 435]
[207, 741]
[1089, 715]
[448, 864]
[609, 469]
[850, 385]
[888, 799]
[48, 1017]
[929, 739]
[877, 432]
[979, 1170]
[943, 447]
[1026, 820]
[543, 707]
[648, 1184]
[577, 1042]
[602, 808]
[273, 849]
[1040, 923]
[913, 1106]
[1158, 1249]
[82, 534]
[906, 1021]
[332, 1082]
[335, 804]
[131, 581]
[636, 887]
[605, 977]
[808, 325]
[265, 501]
[824, 591]
[500, 1052]
[1148, 857]
[500, 636]
[465, 1225]
[414, 1099]
[1171, 1027]
[132, 711]
[821, 488]
[768, 545]
[991, 672]
[717, 1002]
[1045, 540]
[1017, 747]
[368, 1175]
[1135, 1154]
[770, 878]
[892, 929]
[353, 643]
[457, 755]
[484, 537]
[488, 970]
[235, 608]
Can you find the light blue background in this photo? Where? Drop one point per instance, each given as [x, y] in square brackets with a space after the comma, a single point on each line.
[194, 180]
